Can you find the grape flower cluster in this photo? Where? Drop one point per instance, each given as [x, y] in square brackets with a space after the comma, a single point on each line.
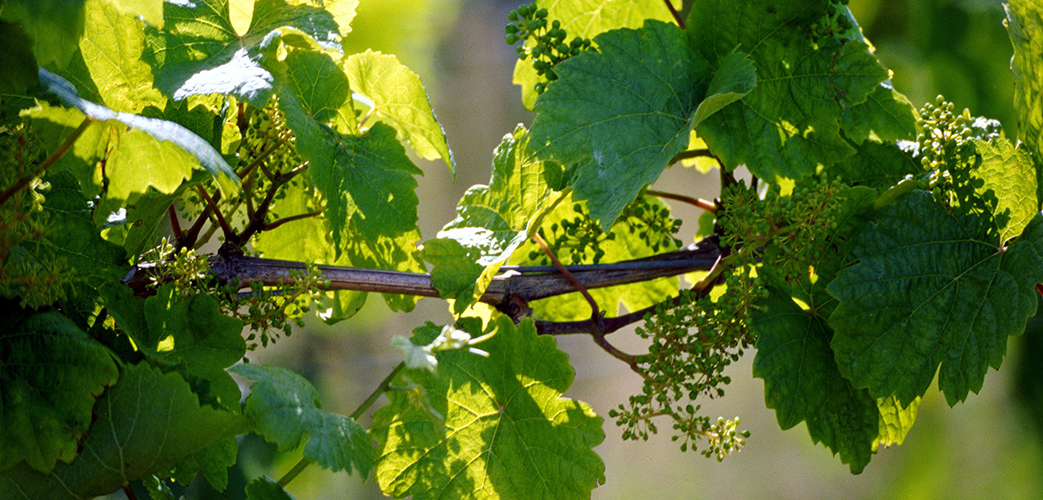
[546, 46]
[947, 150]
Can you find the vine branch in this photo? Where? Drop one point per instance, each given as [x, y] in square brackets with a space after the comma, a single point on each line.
[675, 13]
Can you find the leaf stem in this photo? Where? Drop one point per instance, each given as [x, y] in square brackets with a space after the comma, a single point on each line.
[692, 153]
[174, 224]
[129, 492]
[706, 205]
[294, 472]
[220, 218]
[381, 389]
[56, 155]
[675, 13]
[284, 220]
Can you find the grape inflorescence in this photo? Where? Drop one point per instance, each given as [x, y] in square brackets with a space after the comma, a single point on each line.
[545, 44]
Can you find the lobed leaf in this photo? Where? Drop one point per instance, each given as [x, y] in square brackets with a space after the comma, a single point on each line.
[895, 421]
[802, 383]
[284, 407]
[587, 19]
[620, 127]
[45, 413]
[145, 423]
[790, 123]
[199, 52]
[931, 287]
[506, 432]
[399, 100]
[492, 222]
[1025, 25]
[164, 145]
[884, 117]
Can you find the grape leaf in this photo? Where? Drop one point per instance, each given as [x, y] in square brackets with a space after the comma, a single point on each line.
[263, 488]
[145, 423]
[55, 26]
[212, 462]
[492, 222]
[367, 179]
[895, 421]
[400, 101]
[199, 52]
[802, 383]
[1025, 26]
[45, 413]
[790, 122]
[1006, 181]
[55, 125]
[931, 287]
[157, 135]
[321, 87]
[875, 165]
[507, 431]
[621, 127]
[587, 19]
[283, 407]
[735, 78]
[112, 45]
[16, 57]
[885, 116]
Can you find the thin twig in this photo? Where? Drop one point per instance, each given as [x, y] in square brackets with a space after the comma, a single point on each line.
[706, 205]
[675, 13]
[595, 310]
[129, 492]
[56, 155]
[692, 153]
[381, 389]
[213, 206]
[284, 220]
[175, 225]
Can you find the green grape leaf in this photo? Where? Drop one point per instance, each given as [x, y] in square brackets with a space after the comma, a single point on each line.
[724, 25]
[1006, 180]
[320, 86]
[191, 333]
[587, 19]
[263, 488]
[885, 116]
[45, 413]
[931, 287]
[395, 253]
[399, 100]
[212, 462]
[367, 179]
[492, 222]
[157, 136]
[875, 165]
[620, 127]
[199, 52]
[802, 383]
[735, 78]
[283, 407]
[505, 430]
[111, 46]
[16, 57]
[790, 122]
[895, 421]
[55, 27]
[145, 423]
[1025, 26]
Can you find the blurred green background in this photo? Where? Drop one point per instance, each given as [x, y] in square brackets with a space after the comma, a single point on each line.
[988, 447]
